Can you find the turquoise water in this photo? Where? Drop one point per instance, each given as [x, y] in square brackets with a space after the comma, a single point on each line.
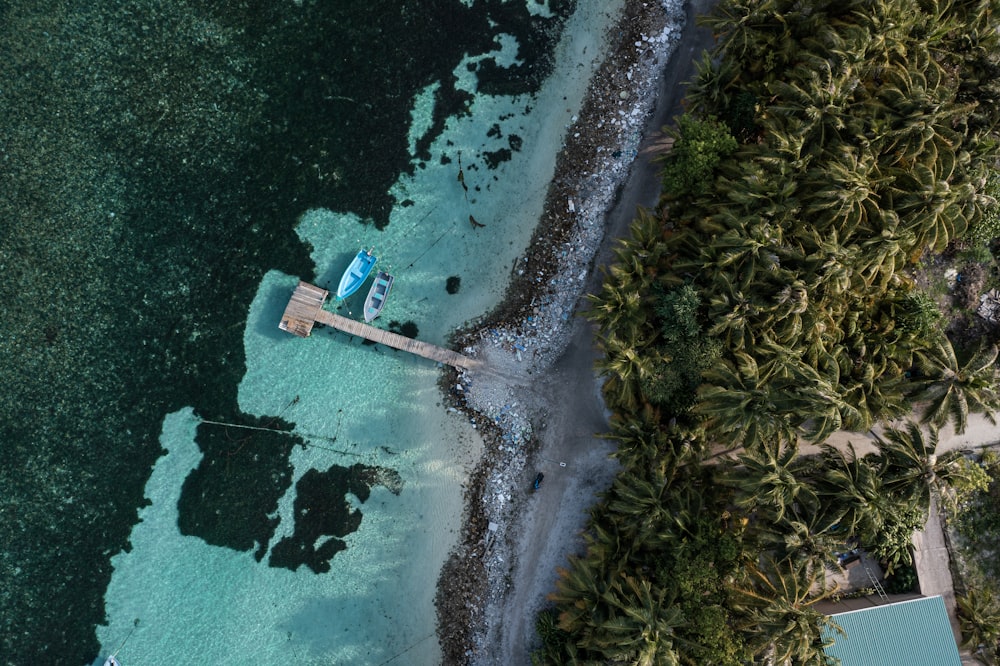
[323, 545]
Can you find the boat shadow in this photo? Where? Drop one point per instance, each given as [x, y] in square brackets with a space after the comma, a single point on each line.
[330, 277]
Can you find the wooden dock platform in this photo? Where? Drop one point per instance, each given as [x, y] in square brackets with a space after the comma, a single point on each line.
[300, 313]
[305, 308]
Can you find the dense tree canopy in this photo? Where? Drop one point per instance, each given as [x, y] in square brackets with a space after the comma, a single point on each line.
[769, 301]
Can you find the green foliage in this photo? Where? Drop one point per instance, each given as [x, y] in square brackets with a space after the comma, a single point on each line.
[975, 477]
[979, 617]
[674, 371]
[902, 581]
[741, 115]
[673, 380]
[977, 518]
[971, 482]
[713, 639]
[919, 316]
[553, 638]
[701, 144]
[768, 300]
[703, 562]
[678, 310]
[893, 545]
[988, 227]
[976, 253]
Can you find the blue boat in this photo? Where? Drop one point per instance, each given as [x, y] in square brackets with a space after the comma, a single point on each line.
[356, 273]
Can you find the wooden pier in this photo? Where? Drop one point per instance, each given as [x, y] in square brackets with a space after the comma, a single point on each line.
[305, 309]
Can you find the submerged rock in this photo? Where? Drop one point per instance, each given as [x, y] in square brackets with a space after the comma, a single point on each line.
[323, 513]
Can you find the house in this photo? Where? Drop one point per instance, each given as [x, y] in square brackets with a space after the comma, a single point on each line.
[915, 632]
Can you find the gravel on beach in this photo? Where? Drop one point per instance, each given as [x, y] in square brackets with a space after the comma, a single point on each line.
[527, 332]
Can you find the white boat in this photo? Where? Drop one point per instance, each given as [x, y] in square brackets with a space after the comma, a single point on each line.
[111, 661]
[377, 295]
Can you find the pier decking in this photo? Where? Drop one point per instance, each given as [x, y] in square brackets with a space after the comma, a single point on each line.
[305, 308]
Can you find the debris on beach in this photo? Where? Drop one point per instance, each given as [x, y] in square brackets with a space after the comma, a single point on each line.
[530, 329]
[989, 306]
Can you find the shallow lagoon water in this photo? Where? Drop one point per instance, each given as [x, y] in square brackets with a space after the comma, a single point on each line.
[352, 403]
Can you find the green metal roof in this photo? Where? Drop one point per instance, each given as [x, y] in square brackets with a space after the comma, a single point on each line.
[908, 633]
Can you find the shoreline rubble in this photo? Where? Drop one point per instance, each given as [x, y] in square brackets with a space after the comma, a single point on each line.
[525, 333]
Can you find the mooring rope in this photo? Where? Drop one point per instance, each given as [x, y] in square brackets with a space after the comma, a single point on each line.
[400, 654]
[287, 433]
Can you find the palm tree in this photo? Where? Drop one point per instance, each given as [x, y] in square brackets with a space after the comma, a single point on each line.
[776, 600]
[709, 94]
[843, 190]
[787, 138]
[640, 627]
[854, 489]
[648, 445]
[756, 189]
[580, 591]
[733, 315]
[871, 401]
[639, 504]
[953, 390]
[741, 407]
[929, 208]
[646, 236]
[883, 254]
[618, 308]
[802, 536]
[765, 478]
[815, 93]
[751, 33]
[627, 363]
[832, 264]
[912, 467]
[745, 251]
[816, 410]
[979, 616]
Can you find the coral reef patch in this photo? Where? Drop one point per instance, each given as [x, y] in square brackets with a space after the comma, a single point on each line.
[322, 509]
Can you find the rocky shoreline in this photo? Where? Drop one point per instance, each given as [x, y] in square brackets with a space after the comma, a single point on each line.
[527, 332]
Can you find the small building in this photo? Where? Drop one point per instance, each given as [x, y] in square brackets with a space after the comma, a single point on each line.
[916, 632]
